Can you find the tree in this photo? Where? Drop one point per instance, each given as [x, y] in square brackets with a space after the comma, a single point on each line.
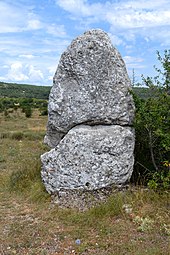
[28, 111]
[152, 121]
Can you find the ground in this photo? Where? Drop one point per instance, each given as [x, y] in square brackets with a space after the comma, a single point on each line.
[132, 222]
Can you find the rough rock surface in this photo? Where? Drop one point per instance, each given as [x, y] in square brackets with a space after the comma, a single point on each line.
[89, 158]
[85, 199]
[91, 86]
[90, 114]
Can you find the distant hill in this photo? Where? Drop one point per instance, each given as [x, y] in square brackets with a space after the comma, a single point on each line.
[13, 90]
[144, 93]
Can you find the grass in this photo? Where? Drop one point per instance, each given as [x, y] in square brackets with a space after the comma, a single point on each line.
[131, 222]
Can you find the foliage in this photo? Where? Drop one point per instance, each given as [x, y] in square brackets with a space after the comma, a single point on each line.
[160, 179]
[152, 125]
[144, 224]
[28, 111]
[143, 92]
[44, 109]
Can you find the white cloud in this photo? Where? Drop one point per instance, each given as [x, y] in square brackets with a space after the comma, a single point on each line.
[11, 20]
[125, 14]
[16, 72]
[115, 39]
[137, 19]
[78, 7]
[20, 72]
[51, 72]
[16, 18]
[22, 18]
[34, 24]
[35, 74]
[134, 62]
[130, 59]
[56, 30]
[122, 16]
[162, 35]
[5, 66]
[14, 45]
[27, 56]
[146, 4]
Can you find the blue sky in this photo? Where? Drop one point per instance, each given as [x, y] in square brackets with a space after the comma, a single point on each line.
[34, 33]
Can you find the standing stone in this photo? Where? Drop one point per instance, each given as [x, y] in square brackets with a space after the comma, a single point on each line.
[91, 86]
[90, 114]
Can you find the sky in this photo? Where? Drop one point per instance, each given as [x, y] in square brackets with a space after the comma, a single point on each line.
[34, 34]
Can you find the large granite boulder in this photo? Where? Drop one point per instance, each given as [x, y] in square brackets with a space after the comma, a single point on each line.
[90, 115]
[91, 86]
[90, 158]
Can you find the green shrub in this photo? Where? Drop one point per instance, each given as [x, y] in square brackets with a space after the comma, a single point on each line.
[17, 135]
[161, 179]
[28, 112]
[44, 111]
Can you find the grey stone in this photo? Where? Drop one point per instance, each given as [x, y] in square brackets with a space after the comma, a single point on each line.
[90, 114]
[91, 86]
[89, 158]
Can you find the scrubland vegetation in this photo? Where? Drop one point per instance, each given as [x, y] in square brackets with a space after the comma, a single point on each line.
[134, 221]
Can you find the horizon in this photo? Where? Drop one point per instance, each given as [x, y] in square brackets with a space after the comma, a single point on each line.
[38, 32]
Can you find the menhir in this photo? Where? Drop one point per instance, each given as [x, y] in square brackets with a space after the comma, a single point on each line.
[90, 116]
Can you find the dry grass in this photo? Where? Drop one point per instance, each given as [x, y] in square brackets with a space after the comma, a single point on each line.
[31, 224]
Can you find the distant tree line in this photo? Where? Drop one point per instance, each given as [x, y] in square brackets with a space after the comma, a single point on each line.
[13, 90]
